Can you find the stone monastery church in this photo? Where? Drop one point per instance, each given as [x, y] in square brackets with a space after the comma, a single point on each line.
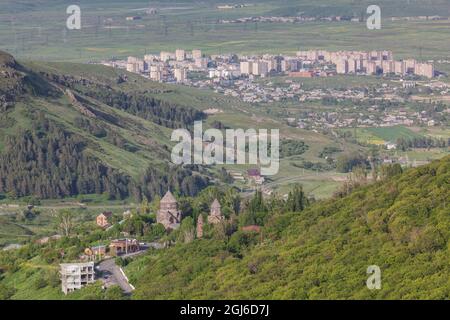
[170, 216]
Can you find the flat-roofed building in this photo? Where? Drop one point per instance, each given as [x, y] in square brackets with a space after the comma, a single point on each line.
[123, 246]
[180, 74]
[371, 67]
[260, 68]
[180, 55]
[136, 65]
[387, 55]
[246, 67]
[342, 66]
[285, 66]
[399, 68]
[156, 72]
[351, 66]
[409, 65]
[74, 276]
[166, 56]
[196, 54]
[301, 74]
[201, 63]
[424, 70]
[388, 67]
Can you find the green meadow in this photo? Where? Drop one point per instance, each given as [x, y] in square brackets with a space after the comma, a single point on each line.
[37, 31]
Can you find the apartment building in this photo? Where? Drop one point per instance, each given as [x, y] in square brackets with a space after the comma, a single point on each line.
[180, 74]
[180, 55]
[424, 69]
[74, 276]
[196, 54]
[246, 67]
[260, 68]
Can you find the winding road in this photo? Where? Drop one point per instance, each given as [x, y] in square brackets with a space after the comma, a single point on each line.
[111, 274]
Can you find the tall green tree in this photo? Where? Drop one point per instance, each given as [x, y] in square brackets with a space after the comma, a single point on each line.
[297, 200]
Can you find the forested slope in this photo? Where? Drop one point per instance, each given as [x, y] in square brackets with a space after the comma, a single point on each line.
[401, 225]
[70, 129]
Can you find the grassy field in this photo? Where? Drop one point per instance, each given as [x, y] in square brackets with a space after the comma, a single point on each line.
[36, 30]
[380, 135]
[335, 82]
[393, 133]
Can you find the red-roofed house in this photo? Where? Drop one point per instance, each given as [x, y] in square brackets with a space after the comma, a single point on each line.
[104, 219]
[255, 175]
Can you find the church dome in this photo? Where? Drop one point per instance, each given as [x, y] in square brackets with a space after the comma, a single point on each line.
[215, 204]
[168, 198]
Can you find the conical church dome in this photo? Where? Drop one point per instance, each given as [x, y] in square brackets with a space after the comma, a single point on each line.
[168, 198]
[215, 204]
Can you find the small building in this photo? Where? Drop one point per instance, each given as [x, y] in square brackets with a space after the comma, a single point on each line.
[255, 175]
[409, 84]
[301, 74]
[123, 246]
[96, 252]
[74, 276]
[215, 215]
[133, 18]
[391, 145]
[104, 219]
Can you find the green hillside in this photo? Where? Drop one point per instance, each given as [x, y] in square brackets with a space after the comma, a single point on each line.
[10, 231]
[110, 127]
[76, 129]
[401, 225]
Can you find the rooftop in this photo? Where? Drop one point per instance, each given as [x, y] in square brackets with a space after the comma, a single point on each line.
[168, 198]
[215, 204]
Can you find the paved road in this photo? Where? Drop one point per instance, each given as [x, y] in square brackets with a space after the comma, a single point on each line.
[111, 275]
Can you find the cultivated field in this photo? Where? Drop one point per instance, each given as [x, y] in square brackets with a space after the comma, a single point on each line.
[38, 31]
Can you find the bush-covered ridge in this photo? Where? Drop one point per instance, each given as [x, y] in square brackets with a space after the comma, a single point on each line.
[402, 225]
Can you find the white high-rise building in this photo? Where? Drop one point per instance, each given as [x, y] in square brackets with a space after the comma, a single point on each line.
[156, 72]
[341, 66]
[201, 63]
[180, 74]
[136, 65]
[424, 70]
[246, 67]
[180, 55]
[196, 54]
[166, 56]
[260, 68]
